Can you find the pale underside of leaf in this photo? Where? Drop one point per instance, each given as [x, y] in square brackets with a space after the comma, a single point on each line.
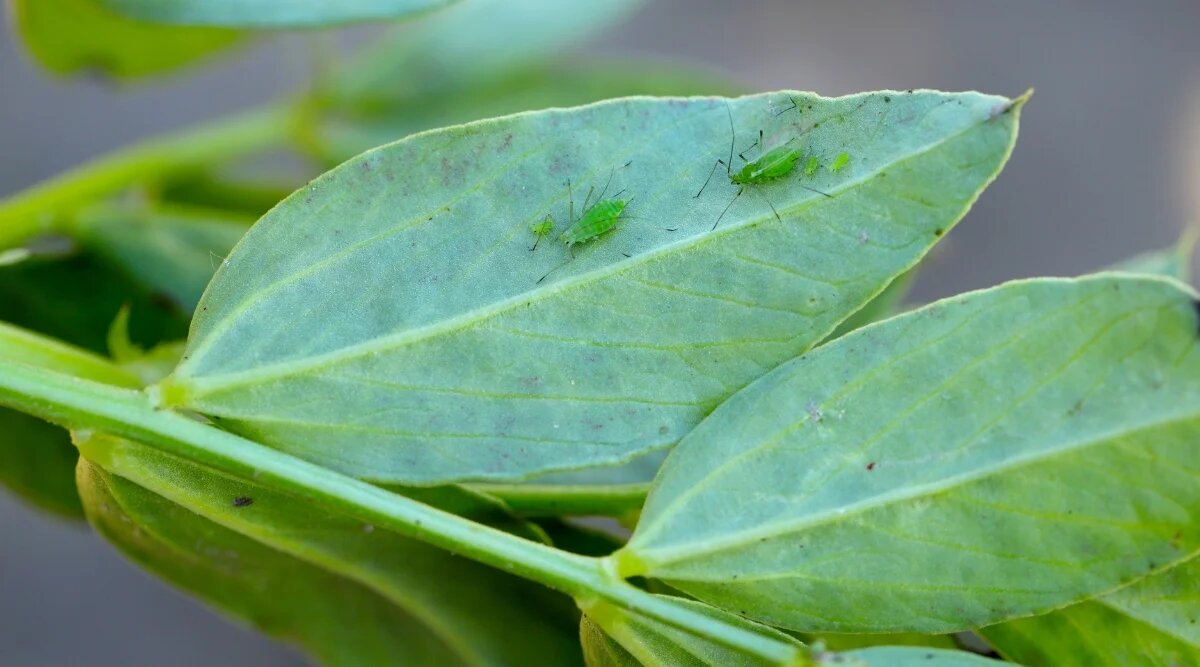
[388, 320]
[1154, 622]
[988, 457]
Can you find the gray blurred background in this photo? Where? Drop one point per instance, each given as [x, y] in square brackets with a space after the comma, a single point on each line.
[1108, 164]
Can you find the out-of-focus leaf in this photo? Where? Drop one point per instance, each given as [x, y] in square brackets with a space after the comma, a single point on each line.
[174, 253]
[1174, 262]
[76, 299]
[991, 456]
[852, 642]
[37, 463]
[270, 13]
[460, 612]
[1154, 622]
[467, 44]
[228, 192]
[402, 282]
[335, 619]
[613, 637]
[71, 36]
[344, 135]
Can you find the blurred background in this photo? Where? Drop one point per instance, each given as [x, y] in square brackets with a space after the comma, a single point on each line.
[1107, 165]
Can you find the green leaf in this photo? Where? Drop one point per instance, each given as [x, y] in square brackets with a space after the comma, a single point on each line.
[1174, 262]
[468, 44]
[174, 252]
[72, 36]
[269, 13]
[908, 656]
[341, 136]
[613, 637]
[994, 455]
[458, 612]
[37, 463]
[403, 284]
[333, 618]
[1154, 622]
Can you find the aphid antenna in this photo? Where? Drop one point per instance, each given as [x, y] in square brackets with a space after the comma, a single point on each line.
[794, 106]
[728, 167]
[823, 194]
[727, 206]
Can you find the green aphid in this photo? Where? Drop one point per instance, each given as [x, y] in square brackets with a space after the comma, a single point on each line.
[811, 166]
[771, 165]
[840, 162]
[541, 229]
[600, 219]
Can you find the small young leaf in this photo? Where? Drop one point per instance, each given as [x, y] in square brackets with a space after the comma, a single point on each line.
[269, 13]
[616, 638]
[467, 613]
[991, 456]
[1154, 622]
[1174, 262]
[73, 36]
[402, 282]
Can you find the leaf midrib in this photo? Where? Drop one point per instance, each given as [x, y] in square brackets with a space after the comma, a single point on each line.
[214, 383]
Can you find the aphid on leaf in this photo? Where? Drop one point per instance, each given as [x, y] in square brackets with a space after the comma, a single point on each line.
[811, 166]
[769, 166]
[595, 220]
[243, 501]
[541, 229]
[840, 162]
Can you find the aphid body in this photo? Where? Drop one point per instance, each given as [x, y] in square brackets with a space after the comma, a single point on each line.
[541, 229]
[600, 219]
[775, 163]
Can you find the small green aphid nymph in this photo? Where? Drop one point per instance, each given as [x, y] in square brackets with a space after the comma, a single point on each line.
[771, 165]
[840, 162]
[541, 229]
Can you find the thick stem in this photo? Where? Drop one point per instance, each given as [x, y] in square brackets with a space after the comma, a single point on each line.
[82, 404]
[43, 207]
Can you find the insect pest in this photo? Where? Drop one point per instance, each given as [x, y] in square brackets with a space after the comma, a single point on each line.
[770, 165]
[541, 229]
[840, 162]
[594, 221]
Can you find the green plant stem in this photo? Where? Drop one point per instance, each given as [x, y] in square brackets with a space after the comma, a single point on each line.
[82, 404]
[43, 207]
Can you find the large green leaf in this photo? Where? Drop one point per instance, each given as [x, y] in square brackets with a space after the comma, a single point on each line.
[402, 284]
[69, 36]
[174, 252]
[1154, 622]
[471, 43]
[990, 456]
[462, 612]
[613, 637]
[269, 13]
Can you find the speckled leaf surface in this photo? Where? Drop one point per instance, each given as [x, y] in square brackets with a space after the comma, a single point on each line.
[1154, 622]
[991, 456]
[388, 320]
[455, 611]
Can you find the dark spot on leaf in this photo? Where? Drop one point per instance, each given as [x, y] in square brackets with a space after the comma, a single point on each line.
[886, 99]
[871, 465]
[663, 430]
[939, 231]
[243, 501]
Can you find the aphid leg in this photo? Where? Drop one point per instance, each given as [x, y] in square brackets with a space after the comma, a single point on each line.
[710, 175]
[536, 241]
[570, 211]
[794, 105]
[583, 209]
[824, 194]
[739, 194]
[757, 142]
[608, 183]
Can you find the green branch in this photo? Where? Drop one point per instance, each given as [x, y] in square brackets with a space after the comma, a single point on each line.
[82, 404]
[43, 207]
